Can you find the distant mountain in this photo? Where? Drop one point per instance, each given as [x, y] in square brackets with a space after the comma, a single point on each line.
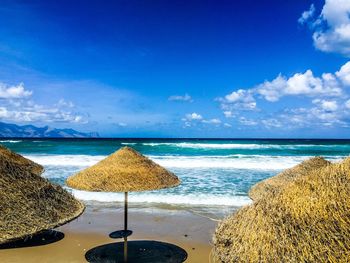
[28, 131]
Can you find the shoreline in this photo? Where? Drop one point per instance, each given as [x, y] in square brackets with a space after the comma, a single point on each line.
[186, 229]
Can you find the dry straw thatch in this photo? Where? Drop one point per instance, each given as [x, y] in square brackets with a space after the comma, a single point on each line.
[123, 171]
[307, 221]
[29, 203]
[274, 184]
[20, 162]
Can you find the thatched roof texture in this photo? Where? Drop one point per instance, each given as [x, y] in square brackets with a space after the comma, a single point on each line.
[274, 184]
[20, 162]
[28, 202]
[307, 221]
[123, 171]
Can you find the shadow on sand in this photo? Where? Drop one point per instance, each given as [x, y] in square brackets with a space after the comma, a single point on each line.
[40, 239]
[138, 251]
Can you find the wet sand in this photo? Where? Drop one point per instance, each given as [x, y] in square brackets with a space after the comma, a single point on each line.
[183, 228]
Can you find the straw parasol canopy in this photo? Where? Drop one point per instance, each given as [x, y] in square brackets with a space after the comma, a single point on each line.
[307, 221]
[274, 184]
[29, 203]
[125, 170]
[20, 162]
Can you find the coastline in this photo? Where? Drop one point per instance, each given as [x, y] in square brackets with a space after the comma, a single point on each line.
[186, 229]
[213, 172]
[216, 178]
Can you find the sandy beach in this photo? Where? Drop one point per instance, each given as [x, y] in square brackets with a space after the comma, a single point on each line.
[185, 228]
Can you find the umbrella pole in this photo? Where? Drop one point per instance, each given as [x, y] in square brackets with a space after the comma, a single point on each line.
[126, 227]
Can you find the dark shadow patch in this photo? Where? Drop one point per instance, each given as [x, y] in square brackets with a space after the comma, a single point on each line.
[40, 239]
[138, 251]
[120, 234]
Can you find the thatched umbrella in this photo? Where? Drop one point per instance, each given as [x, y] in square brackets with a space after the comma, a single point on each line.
[274, 184]
[29, 203]
[20, 162]
[125, 170]
[307, 221]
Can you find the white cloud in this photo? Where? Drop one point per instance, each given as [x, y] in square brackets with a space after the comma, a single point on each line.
[327, 113]
[247, 122]
[240, 100]
[122, 124]
[3, 112]
[227, 125]
[39, 113]
[187, 124]
[307, 15]
[64, 103]
[331, 29]
[272, 123]
[347, 104]
[239, 95]
[193, 119]
[327, 91]
[17, 106]
[327, 87]
[185, 97]
[228, 114]
[344, 74]
[326, 105]
[193, 116]
[300, 84]
[329, 100]
[271, 90]
[212, 121]
[13, 92]
[319, 116]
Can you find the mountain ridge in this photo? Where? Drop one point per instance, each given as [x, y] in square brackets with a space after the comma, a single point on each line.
[9, 130]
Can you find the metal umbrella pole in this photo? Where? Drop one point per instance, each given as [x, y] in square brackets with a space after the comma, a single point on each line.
[125, 232]
[126, 227]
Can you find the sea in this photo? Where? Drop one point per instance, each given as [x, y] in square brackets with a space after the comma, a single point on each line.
[213, 172]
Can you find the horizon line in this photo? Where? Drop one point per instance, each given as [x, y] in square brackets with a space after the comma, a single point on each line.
[161, 138]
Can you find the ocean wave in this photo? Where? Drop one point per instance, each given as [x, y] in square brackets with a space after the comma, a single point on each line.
[65, 160]
[231, 162]
[241, 145]
[190, 199]
[255, 162]
[10, 141]
[206, 145]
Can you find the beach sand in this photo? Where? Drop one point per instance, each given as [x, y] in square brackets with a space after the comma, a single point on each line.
[185, 228]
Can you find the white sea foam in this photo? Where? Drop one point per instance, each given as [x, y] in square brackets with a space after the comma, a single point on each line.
[189, 199]
[207, 145]
[65, 160]
[246, 162]
[256, 162]
[239, 145]
[10, 141]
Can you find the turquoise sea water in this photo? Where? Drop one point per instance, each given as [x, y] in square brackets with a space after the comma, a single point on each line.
[213, 172]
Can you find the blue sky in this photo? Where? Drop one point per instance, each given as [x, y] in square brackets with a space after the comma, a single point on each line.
[178, 68]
